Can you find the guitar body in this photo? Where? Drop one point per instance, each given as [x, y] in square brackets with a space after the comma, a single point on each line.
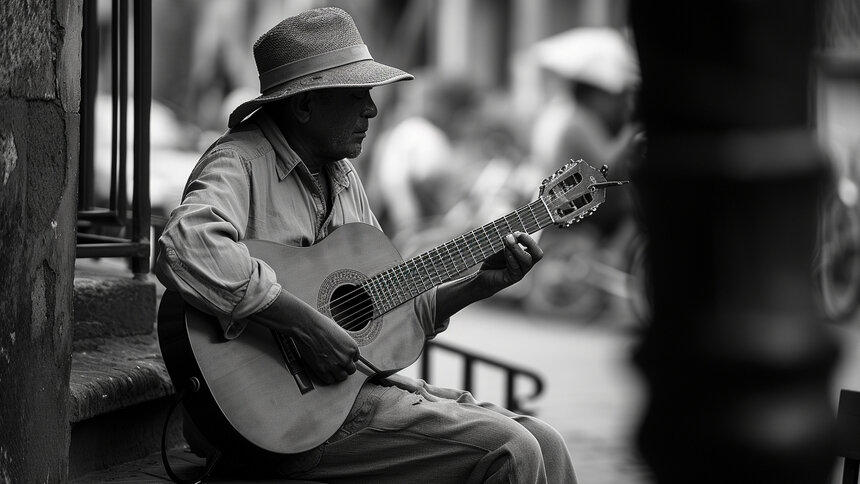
[249, 400]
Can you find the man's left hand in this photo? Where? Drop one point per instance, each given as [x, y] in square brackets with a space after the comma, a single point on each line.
[511, 264]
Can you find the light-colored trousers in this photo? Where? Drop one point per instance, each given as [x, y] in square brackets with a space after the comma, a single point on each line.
[413, 432]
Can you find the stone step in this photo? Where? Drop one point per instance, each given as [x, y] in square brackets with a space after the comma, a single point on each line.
[118, 373]
[120, 395]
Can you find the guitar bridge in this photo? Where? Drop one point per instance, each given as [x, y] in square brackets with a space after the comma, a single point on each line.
[293, 362]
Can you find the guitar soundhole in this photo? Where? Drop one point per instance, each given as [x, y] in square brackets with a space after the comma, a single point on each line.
[351, 307]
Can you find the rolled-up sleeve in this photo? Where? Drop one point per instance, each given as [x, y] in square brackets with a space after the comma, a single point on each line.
[425, 311]
[200, 254]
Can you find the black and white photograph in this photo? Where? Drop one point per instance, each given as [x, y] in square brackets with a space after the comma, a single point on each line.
[430, 241]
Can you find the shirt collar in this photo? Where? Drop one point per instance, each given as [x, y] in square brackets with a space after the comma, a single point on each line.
[287, 159]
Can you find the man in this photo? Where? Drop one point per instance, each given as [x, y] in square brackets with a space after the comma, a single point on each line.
[280, 174]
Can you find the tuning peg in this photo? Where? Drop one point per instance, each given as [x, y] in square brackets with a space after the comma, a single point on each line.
[604, 170]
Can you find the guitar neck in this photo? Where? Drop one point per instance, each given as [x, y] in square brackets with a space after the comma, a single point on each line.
[415, 276]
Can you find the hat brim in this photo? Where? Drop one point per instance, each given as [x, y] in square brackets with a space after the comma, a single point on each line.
[365, 73]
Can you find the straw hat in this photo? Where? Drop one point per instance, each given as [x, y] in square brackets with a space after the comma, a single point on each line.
[600, 56]
[320, 48]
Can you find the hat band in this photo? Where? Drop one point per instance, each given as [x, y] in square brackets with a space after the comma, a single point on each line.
[309, 65]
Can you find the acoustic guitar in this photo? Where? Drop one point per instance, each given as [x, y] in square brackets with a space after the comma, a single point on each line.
[253, 394]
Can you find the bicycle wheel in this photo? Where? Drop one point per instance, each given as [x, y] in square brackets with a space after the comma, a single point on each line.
[838, 269]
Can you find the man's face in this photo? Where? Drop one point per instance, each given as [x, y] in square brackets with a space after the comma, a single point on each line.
[338, 123]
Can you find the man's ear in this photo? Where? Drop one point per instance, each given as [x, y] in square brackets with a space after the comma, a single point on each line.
[300, 105]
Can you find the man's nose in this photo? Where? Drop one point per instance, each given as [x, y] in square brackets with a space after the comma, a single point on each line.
[370, 110]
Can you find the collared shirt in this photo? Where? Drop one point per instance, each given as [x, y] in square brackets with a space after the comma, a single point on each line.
[251, 185]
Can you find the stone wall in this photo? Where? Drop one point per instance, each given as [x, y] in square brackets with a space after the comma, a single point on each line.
[40, 95]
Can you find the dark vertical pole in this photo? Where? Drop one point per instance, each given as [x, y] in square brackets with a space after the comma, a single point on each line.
[89, 88]
[736, 359]
[142, 102]
[468, 373]
[122, 155]
[425, 362]
[510, 392]
[114, 91]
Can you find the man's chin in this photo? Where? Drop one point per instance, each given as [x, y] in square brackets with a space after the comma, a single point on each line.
[353, 153]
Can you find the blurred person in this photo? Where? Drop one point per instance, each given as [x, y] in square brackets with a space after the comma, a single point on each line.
[413, 169]
[281, 173]
[449, 161]
[590, 115]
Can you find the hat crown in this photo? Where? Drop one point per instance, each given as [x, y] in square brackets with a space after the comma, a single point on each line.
[317, 49]
[308, 34]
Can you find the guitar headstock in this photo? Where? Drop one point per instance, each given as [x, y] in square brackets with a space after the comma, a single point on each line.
[574, 192]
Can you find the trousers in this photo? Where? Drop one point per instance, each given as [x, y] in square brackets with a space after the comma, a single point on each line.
[411, 431]
[403, 430]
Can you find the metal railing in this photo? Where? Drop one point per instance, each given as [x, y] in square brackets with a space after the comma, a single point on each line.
[513, 374]
[117, 230]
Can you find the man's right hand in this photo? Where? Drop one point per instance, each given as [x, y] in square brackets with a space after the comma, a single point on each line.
[327, 350]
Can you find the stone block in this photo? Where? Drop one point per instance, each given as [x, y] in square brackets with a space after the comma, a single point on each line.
[112, 306]
[28, 48]
[70, 17]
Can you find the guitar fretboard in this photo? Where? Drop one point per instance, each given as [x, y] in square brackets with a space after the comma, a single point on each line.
[415, 276]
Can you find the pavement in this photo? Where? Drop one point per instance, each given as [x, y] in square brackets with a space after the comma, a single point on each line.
[593, 394]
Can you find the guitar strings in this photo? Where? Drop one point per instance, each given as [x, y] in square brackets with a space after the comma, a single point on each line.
[358, 314]
[338, 302]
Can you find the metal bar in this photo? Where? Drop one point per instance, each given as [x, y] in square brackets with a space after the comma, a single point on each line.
[89, 88]
[105, 216]
[114, 80]
[102, 238]
[470, 358]
[468, 372]
[127, 249]
[142, 103]
[137, 218]
[122, 190]
[485, 359]
[510, 392]
[425, 361]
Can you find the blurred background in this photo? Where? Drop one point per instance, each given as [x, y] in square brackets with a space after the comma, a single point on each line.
[506, 92]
